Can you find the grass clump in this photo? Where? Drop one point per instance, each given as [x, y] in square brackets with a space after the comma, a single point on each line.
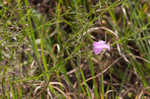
[46, 49]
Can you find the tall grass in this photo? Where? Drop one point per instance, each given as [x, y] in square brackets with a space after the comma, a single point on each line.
[49, 55]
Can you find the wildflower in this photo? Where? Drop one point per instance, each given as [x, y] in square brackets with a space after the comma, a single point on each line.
[99, 46]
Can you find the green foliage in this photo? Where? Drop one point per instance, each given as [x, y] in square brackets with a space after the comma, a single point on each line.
[49, 54]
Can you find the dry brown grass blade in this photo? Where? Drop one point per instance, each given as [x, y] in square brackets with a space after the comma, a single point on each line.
[73, 70]
[103, 71]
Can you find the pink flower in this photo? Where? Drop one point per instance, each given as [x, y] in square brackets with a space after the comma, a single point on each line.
[99, 46]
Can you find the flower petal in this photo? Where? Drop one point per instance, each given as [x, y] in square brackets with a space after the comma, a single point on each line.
[99, 46]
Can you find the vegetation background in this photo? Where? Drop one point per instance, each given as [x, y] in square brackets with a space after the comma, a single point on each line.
[46, 49]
